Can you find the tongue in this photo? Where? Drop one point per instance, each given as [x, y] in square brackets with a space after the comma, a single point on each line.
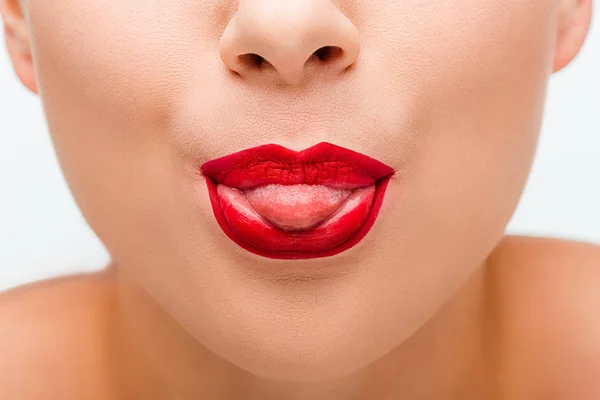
[295, 207]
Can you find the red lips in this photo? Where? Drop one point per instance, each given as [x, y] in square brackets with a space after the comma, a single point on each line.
[279, 203]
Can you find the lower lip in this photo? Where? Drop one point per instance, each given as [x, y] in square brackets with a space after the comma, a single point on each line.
[330, 237]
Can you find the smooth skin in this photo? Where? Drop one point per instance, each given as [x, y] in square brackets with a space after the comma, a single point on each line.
[435, 303]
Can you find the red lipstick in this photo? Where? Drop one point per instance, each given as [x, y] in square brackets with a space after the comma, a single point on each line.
[284, 204]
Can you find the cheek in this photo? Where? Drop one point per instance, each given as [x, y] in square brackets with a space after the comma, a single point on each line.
[110, 75]
[485, 86]
[472, 81]
[126, 59]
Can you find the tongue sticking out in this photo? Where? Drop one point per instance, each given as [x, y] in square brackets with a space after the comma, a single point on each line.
[295, 207]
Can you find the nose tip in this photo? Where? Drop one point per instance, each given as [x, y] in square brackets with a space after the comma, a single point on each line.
[288, 40]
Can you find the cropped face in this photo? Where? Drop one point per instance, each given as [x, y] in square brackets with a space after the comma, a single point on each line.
[140, 95]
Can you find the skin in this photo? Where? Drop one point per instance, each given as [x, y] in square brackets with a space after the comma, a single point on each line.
[435, 303]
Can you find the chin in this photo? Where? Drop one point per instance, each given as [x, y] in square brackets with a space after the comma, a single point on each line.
[296, 347]
[297, 363]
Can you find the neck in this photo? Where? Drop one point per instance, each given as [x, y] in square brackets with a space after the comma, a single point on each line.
[156, 358]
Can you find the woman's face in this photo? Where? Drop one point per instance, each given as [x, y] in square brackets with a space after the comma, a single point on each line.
[139, 94]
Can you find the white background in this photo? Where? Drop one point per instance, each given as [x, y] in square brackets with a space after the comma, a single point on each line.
[42, 233]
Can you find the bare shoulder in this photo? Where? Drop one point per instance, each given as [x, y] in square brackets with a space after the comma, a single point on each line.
[51, 338]
[549, 291]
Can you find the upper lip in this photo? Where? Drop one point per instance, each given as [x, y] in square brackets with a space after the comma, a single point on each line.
[322, 164]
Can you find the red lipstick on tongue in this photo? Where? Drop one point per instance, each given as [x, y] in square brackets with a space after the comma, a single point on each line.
[279, 203]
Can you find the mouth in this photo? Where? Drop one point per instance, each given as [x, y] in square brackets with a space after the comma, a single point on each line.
[283, 204]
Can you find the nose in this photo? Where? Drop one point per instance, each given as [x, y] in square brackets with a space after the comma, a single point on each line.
[286, 41]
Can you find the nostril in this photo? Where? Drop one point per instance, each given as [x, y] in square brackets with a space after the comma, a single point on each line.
[329, 53]
[326, 55]
[253, 61]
